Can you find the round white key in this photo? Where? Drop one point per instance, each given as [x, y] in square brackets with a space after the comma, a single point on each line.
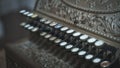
[76, 34]
[43, 33]
[70, 31]
[52, 38]
[91, 40]
[96, 60]
[22, 11]
[68, 46]
[35, 29]
[30, 14]
[99, 43]
[26, 13]
[53, 24]
[81, 53]
[48, 36]
[26, 26]
[31, 27]
[84, 37]
[48, 22]
[42, 20]
[74, 49]
[63, 43]
[57, 40]
[89, 56]
[34, 15]
[23, 24]
[58, 26]
[64, 28]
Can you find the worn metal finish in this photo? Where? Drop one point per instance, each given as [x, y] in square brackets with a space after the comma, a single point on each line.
[101, 17]
[39, 55]
[96, 6]
[52, 47]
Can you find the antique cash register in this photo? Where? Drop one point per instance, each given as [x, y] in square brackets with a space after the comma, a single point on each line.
[70, 34]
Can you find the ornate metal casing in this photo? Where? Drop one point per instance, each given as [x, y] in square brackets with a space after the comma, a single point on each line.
[71, 34]
[98, 17]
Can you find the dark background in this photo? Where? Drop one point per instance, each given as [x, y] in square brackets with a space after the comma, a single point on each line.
[10, 19]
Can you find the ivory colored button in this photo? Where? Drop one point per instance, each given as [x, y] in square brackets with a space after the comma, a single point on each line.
[22, 11]
[34, 15]
[26, 13]
[43, 33]
[70, 31]
[30, 14]
[68, 46]
[63, 43]
[26, 26]
[23, 24]
[53, 24]
[91, 40]
[76, 34]
[48, 22]
[52, 38]
[48, 36]
[81, 53]
[35, 29]
[74, 49]
[84, 37]
[89, 56]
[31, 27]
[64, 28]
[96, 60]
[43, 20]
[58, 26]
[99, 43]
[57, 40]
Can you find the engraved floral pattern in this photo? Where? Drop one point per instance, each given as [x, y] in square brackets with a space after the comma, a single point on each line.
[103, 23]
[96, 5]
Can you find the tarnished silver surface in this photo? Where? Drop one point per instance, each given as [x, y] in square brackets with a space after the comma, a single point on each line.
[77, 21]
[98, 6]
[101, 17]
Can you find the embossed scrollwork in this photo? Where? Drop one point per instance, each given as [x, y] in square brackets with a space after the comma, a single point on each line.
[108, 24]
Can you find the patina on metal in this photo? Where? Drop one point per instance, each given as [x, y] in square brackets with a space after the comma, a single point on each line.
[97, 20]
[101, 17]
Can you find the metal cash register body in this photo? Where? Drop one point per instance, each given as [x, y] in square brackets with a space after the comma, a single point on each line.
[71, 34]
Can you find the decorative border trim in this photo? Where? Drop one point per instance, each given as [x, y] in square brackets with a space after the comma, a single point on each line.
[90, 11]
[112, 38]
